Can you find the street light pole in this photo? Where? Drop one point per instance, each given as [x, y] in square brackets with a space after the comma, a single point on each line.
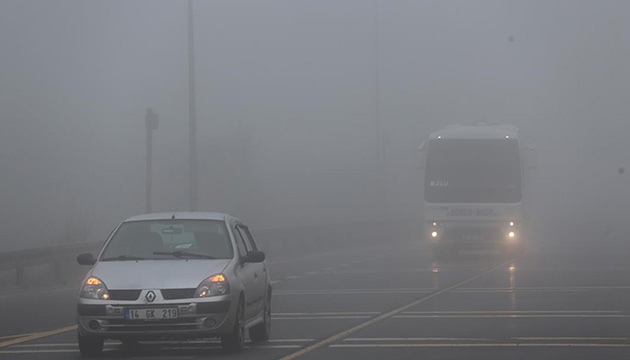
[151, 123]
[382, 194]
[192, 112]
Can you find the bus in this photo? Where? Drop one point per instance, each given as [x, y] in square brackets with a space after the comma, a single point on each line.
[474, 187]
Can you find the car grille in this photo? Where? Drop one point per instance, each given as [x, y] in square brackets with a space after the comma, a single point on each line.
[129, 295]
[120, 325]
[175, 294]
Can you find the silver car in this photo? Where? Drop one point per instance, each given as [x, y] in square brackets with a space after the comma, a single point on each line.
[175, 276]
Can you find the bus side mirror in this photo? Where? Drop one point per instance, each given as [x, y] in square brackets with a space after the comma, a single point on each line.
[423, 155]
[530, 159]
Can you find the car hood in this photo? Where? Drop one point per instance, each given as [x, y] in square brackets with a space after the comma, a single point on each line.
[157, 274]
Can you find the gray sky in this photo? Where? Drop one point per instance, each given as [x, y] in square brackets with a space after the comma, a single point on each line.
[287, 97]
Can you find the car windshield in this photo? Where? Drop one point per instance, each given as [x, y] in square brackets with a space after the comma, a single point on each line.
[169, 239]
[473, 171]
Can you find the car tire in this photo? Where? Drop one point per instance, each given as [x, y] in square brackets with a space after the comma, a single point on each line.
[262, 331]
[235, 342]
[90, 346]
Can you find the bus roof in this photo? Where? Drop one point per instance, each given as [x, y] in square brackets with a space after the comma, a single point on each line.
[479, 130]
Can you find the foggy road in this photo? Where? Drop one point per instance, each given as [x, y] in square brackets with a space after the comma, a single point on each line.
[330, 126]
[392, 302]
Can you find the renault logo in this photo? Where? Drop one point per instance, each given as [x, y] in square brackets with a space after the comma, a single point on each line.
[150, 296]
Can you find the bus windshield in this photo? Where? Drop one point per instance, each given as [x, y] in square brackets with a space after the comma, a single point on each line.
[473, 171]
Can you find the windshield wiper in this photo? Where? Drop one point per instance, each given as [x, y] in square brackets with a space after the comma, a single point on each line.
[179, 254]
[122, 257]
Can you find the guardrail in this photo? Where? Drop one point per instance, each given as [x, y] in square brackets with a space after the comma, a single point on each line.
[276, 243]
[57, 255]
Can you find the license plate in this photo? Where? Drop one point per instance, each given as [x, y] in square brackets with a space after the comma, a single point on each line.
[151, 314]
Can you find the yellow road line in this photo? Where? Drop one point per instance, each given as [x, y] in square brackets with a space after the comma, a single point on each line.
[386, 315]
[13, 336]
[35, 336]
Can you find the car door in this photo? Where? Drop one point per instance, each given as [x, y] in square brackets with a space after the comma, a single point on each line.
[260, 268]
[247, 274]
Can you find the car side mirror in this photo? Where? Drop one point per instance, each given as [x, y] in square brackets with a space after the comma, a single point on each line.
[86, 259]
[253, 256]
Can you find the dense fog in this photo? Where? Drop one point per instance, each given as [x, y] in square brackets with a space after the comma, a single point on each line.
[308, 112]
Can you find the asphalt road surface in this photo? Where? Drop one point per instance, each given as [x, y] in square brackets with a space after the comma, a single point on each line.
[564, 301]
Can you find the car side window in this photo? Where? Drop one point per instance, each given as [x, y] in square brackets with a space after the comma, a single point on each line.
[248, 243]
[240, 242]
[249, 239]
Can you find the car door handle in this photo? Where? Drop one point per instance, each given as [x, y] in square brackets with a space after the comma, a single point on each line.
[256, 276]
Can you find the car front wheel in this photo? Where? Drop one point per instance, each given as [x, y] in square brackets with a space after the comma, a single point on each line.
[262, 331]
[235, 342]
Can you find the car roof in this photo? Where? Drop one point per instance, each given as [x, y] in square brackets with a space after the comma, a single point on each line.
[186, 215]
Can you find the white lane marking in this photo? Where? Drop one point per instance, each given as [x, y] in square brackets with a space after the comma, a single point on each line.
[442, 345]
[39, 351]
[290, 340]
[49, 345]
[274, 282]
[312, 273]
[503, 312]
[417, 339]
[292, 277]
[531, 338]
[353, 291]
[461, 316]
[44, 351]
[577, 338]
[157, 343]
[341, 317]
[394, 271]
[344, 265]
[543, 289]
[327, 313]
[274, 347]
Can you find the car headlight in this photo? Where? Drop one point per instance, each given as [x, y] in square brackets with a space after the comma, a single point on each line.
[94, 288]
[213, 286]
